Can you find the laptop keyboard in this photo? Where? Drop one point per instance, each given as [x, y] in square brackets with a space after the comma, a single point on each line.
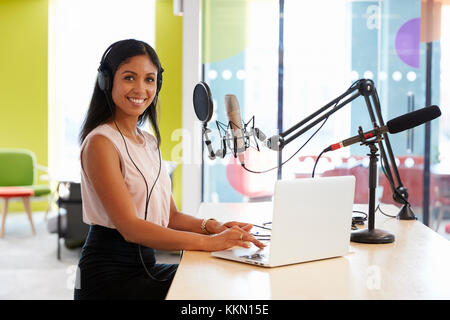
[255, 256]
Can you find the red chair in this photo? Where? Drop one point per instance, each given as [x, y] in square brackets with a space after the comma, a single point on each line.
[362, 181]
[442, 191]
[256, 186]
[353, 166]
[410, 161]
[16, 192]
[412, 179]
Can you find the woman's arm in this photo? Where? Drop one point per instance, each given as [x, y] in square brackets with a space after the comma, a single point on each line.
[101, 163]
[185, 222]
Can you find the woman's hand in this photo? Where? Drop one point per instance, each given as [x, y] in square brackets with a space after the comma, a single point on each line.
[214, 226]
[232, 235]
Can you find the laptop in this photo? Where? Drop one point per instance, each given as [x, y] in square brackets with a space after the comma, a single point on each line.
[311, 220]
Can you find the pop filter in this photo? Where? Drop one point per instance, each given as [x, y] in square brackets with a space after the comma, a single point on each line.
[203, 104]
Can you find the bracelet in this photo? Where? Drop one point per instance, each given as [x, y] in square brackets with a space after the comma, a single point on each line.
[203, 226]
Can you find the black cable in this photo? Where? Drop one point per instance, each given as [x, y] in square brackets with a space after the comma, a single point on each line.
[357, 211]
[381, 211]
[358, 220]
[355, 83]
[262, 227]
[282, 164]
[317, 160]
[147, 201]
[149, 194]
[327, 149]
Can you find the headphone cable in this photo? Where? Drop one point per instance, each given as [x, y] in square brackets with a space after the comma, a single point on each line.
[147, 201]
[148, 194]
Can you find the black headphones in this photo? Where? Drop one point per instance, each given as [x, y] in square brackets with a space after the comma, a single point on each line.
[104, 76]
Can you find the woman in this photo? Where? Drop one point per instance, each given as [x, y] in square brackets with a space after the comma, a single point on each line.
[126, 191]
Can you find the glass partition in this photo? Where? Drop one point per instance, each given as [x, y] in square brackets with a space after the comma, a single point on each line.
[76, 45]
[323, 48]
[240, 57]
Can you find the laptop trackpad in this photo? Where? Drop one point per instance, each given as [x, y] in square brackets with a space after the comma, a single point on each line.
[251, 255]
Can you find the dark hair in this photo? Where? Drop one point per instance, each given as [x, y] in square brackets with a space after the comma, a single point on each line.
[99, 111]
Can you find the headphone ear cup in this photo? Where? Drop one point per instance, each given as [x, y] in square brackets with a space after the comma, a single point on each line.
[103, 80]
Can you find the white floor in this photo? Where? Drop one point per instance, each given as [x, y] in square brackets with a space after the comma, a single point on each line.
[29, 268]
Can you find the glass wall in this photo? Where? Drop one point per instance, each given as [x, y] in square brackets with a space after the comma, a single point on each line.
[240, 57]
[317, 69]
[323, 48]
[441, 165]
[79, 33]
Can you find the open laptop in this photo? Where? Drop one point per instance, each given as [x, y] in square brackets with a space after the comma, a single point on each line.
[311, 220]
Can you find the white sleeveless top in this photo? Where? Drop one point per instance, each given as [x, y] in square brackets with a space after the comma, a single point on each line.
[146, 157]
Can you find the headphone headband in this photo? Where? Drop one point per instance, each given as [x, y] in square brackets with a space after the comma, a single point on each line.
[105, 54]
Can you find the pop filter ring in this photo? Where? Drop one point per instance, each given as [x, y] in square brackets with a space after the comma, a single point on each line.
[202, 95]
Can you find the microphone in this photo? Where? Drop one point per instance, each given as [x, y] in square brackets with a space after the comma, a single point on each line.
[236, 136]
[398, 124]
[233, 111]
[413, 119]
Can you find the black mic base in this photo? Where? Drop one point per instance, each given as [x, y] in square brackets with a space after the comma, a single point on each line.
[372, 236]
[406, 213]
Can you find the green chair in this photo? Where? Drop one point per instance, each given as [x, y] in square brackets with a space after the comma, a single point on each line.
[18, 167]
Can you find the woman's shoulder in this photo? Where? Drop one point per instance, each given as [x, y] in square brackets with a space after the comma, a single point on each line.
[103, 128]
[98, 146]
[148, 136]
[103, 134]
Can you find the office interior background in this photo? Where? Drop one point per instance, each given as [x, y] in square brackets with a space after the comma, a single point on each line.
[283, 59]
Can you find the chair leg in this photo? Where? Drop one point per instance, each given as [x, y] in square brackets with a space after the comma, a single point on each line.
[58, 252]
[26, 203]
[49, 206]
[4, 211]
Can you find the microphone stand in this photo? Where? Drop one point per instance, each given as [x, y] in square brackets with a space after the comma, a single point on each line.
[365, 88]
[372, 235]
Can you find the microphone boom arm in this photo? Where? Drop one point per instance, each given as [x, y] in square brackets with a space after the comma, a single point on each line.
[365, 88]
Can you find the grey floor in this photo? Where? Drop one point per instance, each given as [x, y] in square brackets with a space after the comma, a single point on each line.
[29, 268]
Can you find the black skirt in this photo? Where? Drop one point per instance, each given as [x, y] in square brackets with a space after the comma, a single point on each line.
[111, 268]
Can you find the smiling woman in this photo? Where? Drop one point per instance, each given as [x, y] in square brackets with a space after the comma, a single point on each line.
[126, 192]
[131, 71]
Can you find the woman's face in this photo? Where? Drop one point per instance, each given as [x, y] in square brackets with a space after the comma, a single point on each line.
[134, 85]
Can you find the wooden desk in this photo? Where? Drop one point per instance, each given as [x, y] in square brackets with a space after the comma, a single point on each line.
[415, 266]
